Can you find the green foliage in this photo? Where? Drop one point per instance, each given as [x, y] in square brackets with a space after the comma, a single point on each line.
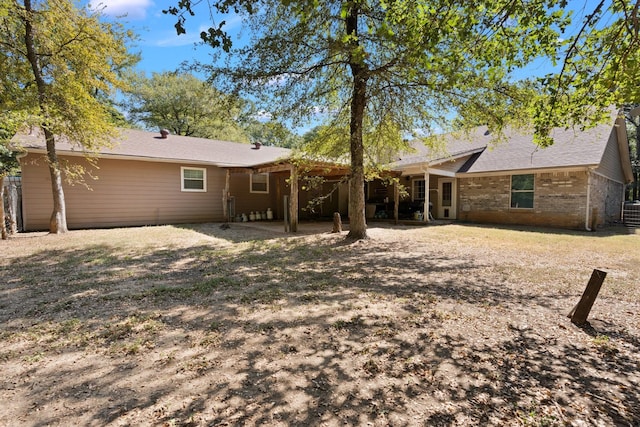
[376, 70]
[8, 161]
[72, 57]
[633, 134]
[423, 61]
[185, 105]
[55, 61]
[600, 69]
[270, 133]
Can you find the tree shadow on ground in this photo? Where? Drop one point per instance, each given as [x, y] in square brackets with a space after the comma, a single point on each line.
[604, 231]
[277, 331]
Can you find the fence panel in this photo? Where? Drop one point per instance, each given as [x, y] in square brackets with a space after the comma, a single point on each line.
[631, 214]
[13, 203]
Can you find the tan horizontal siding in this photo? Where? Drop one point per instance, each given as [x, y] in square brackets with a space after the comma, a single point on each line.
[125, 193]
[452, 166]
[37, 202]
[610, 165]
[247, 202]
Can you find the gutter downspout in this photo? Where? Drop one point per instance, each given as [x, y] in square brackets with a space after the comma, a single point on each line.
[586, 215]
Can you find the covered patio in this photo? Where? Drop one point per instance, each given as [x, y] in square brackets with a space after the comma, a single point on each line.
[315, 191]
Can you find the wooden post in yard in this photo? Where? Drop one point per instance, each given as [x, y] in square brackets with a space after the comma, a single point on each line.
[337, 223]
[580, 312]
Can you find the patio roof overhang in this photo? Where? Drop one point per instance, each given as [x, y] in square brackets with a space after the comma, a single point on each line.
[306, 168]
[295, 170]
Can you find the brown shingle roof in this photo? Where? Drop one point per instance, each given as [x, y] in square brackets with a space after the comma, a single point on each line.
[141, 145]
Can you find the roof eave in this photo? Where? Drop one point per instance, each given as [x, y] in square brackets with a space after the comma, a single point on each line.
[136, 158]
[548, 169]
[438, 161]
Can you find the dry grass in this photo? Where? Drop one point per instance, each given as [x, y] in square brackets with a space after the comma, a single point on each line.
[195, 325]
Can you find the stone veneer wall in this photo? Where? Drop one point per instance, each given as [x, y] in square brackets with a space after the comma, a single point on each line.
[560, 200]
[606, 197]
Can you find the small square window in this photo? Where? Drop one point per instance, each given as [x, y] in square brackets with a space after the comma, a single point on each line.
[259, 183]
[194, 179]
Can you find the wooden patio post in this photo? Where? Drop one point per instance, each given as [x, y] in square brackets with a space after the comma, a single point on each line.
[225, 197]
[425, 216]
[396, 200]
[293, 200]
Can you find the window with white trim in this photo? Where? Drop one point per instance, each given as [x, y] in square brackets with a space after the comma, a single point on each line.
[193, 179]
[259, 183]
[418, 189]
[522, 191]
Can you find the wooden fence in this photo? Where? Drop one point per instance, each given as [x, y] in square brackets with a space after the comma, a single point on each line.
[13, 203]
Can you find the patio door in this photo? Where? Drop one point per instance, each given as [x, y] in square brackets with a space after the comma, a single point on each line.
[446, 198]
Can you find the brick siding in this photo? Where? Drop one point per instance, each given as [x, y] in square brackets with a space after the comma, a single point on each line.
[606, 197]
[559, 200]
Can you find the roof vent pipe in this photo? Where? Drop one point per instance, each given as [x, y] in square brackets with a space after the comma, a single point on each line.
[257, 145]
[164, 133]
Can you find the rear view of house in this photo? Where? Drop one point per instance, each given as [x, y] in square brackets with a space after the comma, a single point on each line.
[150, 179]
[578, 182]
[146, 179]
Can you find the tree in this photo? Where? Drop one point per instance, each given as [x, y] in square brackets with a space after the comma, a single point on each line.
[8, 165]
[382, 68]
[270, 133]
[185, 105]
[54, 59]
[632, 117]
[600, 68]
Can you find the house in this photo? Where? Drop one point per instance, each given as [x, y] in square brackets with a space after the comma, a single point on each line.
[149, 179]
[578, 182]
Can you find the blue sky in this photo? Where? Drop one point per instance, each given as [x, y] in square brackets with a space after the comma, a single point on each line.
[161, 48]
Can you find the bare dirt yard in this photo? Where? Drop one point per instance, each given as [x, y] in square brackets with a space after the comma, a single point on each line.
[452, 325]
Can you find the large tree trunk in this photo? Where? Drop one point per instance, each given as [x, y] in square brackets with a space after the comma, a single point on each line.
[58, 222]
[3, 226]
[357, 221]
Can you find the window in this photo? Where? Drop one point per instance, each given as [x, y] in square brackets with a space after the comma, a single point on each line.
[194, 179]
[447, 194]
[259, 183]
[418, 189]
[522, 191]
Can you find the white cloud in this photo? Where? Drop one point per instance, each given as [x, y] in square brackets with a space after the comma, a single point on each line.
[132, 9]
[173, 40]
[263, 116]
